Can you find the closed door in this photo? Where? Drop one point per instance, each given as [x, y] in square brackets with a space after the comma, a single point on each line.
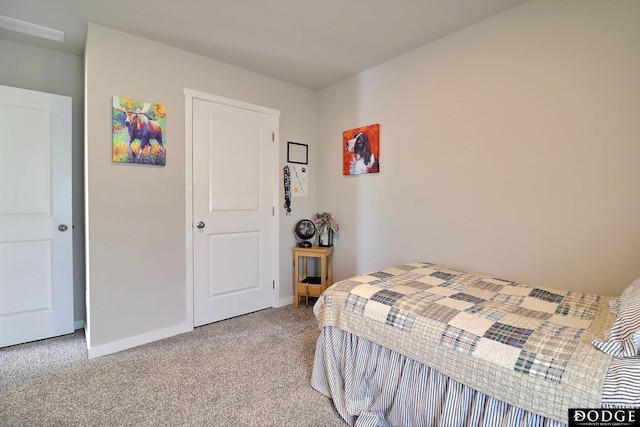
[233, 188]
[36, 273]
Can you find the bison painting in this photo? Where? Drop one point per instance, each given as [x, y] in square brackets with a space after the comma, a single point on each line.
[134, 123]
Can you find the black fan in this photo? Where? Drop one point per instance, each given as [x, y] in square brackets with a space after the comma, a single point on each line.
[304, 231]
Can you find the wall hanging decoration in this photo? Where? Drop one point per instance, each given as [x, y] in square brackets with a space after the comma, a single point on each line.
[299, 180]
[286, 179]
[297, 153]
[361, 150]
[138, 132]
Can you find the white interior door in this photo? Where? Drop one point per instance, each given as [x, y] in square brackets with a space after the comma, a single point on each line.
[36, 272]
[233, 242]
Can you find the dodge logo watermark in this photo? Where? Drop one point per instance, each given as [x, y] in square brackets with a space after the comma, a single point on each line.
[598, 417]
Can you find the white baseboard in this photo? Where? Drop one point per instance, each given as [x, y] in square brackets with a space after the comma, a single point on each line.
[124, 344]
[78, 324]
[284, 301]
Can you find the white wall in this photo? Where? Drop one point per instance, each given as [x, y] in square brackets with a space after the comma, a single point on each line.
[135, 214]
[510, 147]
[44, 70]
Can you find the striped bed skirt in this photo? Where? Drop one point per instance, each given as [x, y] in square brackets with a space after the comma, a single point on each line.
[372, 386]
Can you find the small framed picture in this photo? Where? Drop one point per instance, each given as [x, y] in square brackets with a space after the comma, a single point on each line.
[297, 153]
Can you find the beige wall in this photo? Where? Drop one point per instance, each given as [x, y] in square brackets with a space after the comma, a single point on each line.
[511, 147]
[45, 70]
[135, 214]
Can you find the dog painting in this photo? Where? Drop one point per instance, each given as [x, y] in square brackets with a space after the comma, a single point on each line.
[361, 150]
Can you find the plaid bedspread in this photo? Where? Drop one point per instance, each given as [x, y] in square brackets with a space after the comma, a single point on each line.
[528, 346]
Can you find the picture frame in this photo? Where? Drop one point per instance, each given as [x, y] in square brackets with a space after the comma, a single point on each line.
[297, 153]
[138, 132]
[361, 150]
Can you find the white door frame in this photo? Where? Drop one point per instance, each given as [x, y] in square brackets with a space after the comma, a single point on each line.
[190, 95]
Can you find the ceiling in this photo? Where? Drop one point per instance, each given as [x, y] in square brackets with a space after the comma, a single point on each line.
[310, 44]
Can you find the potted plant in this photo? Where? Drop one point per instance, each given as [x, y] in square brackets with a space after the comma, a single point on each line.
[326, 225]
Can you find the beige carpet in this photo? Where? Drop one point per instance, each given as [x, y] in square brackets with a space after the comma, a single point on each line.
[253, 370]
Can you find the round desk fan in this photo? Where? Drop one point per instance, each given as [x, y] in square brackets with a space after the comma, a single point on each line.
[304, 231]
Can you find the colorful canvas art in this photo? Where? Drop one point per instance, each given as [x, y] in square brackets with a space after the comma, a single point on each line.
[139, 132]
[361, 150]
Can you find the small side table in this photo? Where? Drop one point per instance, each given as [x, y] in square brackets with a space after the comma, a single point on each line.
[311, 286]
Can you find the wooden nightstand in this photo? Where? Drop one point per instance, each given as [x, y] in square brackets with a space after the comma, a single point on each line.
[311, 286]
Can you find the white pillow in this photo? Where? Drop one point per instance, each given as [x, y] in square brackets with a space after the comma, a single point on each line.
[623, 339]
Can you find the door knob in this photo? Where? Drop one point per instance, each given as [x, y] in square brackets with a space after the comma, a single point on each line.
[200, 224]
[62, 227]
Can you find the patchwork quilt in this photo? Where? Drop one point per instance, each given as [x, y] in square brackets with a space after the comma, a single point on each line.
[528, 346]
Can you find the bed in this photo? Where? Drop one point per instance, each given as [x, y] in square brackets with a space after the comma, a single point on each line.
[422, 344]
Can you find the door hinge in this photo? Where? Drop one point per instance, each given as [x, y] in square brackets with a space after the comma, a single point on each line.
[273, 211]
[273, 136]
[274, 284]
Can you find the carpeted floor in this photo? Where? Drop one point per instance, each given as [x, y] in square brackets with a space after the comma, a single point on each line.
[252, 370]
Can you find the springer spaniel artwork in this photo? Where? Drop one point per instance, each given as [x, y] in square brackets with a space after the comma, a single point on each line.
[361, 150]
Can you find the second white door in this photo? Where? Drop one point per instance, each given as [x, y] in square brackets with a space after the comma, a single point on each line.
[36, 265]
[233, 220]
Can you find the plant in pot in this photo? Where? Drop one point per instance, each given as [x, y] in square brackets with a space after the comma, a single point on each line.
[326, 225]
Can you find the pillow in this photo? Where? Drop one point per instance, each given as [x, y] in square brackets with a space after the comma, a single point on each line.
[623, 339]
